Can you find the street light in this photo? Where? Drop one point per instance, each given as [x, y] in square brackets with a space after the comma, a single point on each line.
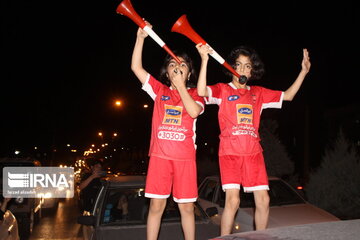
[118, 103]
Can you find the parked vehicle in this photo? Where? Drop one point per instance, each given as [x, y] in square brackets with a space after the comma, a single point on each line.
[27, 211]
[287, 207]
[344, 230]
[9, 229]
[120, 212]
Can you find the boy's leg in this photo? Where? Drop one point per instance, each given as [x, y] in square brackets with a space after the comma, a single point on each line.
[158, 188]
[187, 220]
[232, 202]
[156, 210]
[257, 182]
[185, 194]
[262, 200]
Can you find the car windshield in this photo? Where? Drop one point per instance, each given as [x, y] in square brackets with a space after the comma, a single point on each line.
[280, 194]
[128, 206]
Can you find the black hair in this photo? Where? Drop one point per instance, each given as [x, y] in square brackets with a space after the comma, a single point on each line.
[257, 66]
[163, 77]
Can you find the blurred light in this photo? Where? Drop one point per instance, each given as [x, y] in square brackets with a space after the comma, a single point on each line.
[115, 134]
[100, 134]
[299, 188]
[35, 148]
[19, 200]
[118, 103]
[48, 195]
[17, 152]
[146, 106]
[68, 145]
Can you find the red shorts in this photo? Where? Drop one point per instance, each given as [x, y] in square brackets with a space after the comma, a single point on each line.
[165, 175]
[248, 171]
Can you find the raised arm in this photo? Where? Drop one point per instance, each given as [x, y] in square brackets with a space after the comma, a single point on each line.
[204, 51]
[305, 68]
[192, 108]
[136, 60]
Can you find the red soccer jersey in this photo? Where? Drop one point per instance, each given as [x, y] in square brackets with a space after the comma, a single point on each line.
[173, 130]
[239, 115]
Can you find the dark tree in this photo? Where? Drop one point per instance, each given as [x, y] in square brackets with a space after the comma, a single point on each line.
[335, 186]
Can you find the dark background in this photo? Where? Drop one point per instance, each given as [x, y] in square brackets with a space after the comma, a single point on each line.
[65, 62]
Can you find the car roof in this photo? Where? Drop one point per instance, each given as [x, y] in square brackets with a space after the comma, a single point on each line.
[345, 230]
[269, 177]
[125, 181]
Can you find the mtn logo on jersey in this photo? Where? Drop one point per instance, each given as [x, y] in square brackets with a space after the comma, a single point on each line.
[165, 98]
[233, 97]
[173, 115]
[244, 113]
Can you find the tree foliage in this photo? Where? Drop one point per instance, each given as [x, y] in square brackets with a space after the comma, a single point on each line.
[335, 186]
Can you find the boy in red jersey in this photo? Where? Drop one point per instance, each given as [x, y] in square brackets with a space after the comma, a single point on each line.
[240, 154]
[172, 152]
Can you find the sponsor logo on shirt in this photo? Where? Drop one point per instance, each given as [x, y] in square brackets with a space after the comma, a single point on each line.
[173, 115]
[165, 98]
[244, 113]
[233, 97]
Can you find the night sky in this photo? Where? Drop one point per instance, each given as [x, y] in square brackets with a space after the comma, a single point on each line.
[65, 62]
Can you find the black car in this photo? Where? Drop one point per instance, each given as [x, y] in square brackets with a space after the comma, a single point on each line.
[120, 212]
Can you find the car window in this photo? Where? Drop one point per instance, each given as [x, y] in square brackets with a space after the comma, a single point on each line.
[246, 199]
[282, 194]
[125, 206]
[172, 212]
[208, 190]
[128, 206]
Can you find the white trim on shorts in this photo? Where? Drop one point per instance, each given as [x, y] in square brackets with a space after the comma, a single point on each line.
[230, 186]
[150, 195]
[185, 200]
[256, 188]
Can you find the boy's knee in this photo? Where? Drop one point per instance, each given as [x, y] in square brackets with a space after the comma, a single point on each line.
[187, 208]
[233, 202]
[263, 200]
[157, 206]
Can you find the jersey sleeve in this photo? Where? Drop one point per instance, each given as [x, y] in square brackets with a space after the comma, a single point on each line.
[199, 100]
[214, 92]
[152, 86]
[271, 98]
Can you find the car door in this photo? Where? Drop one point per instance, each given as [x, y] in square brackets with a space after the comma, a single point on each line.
[208, 192]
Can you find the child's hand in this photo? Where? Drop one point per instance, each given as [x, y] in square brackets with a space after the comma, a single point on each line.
[204, 51]
[177, 78]
[305, 64]
[141, 33]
